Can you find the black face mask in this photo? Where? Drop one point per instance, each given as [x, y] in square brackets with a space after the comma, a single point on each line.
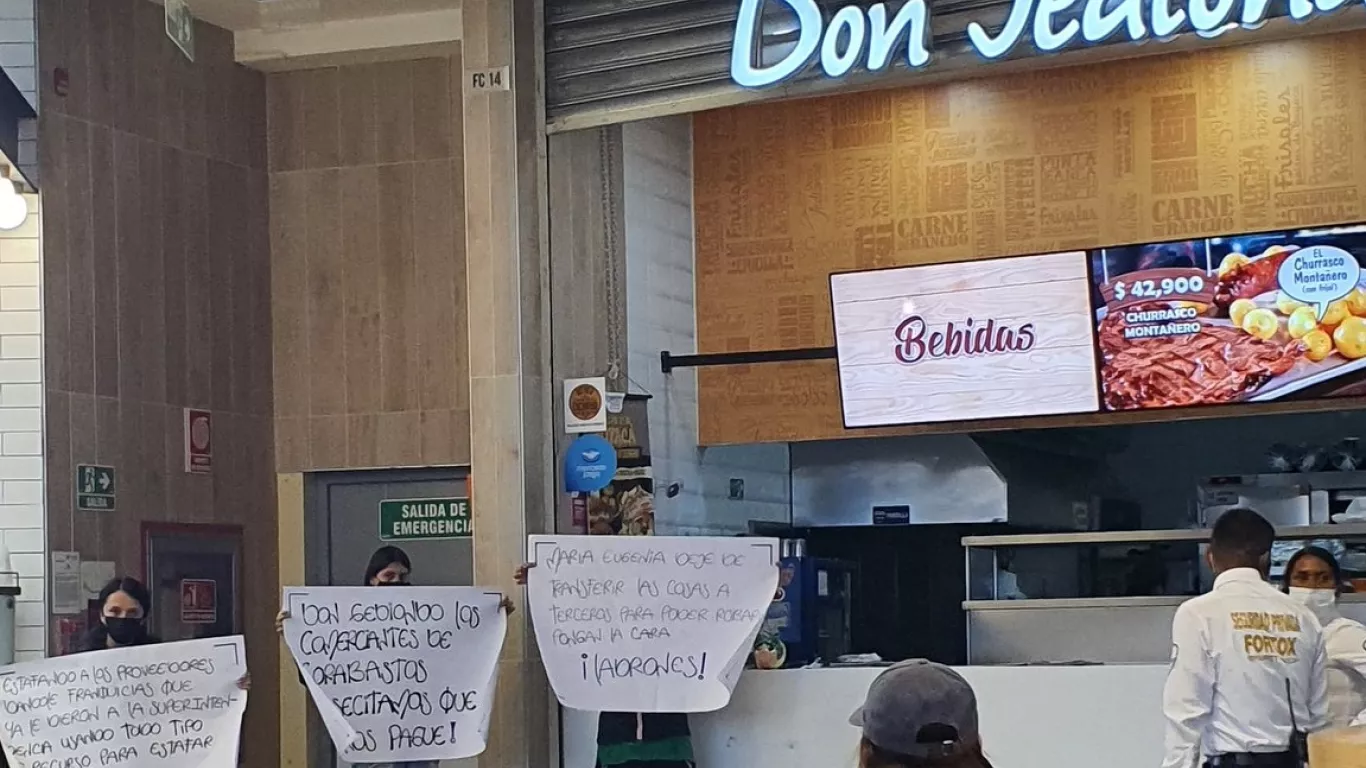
[393, 584]
[125, 631]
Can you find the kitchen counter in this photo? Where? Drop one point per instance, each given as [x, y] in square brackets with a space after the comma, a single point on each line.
[1058, 716]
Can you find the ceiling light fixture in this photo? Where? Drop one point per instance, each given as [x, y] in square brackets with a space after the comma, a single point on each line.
[13, 207]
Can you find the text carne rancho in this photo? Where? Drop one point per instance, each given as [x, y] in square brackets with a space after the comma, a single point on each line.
[870, 38]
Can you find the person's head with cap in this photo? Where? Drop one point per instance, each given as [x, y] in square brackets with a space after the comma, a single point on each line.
[919, 714]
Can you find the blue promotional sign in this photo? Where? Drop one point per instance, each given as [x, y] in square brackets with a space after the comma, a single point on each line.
[590, 465]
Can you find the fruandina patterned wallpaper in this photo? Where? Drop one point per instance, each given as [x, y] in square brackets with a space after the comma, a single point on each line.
[1228, 140]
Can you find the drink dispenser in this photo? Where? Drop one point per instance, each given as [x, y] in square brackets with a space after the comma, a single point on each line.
[9, 592]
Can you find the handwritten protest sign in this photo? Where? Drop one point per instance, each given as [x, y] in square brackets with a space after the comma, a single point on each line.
[648, 624]
[172, 705]
[399, 674]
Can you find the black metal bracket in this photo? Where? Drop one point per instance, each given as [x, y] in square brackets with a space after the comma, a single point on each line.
[668, 362]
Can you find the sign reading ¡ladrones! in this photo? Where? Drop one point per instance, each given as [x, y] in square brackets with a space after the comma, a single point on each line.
[148, 706]
[870, 38]
[399, 675]
[646, 623]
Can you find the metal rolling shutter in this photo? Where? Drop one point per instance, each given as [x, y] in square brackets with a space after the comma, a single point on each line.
[610, 61]
[615, 60]
[606, 55]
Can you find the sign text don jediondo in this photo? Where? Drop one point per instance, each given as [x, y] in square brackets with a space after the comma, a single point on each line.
[870, 37]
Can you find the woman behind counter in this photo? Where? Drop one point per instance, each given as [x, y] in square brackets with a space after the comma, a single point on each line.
[1314, 578]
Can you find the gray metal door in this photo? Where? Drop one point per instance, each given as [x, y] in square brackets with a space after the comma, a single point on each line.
[347, 510]
[342, 530]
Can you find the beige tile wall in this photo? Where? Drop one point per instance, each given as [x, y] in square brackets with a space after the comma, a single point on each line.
[510, 389]
[156, 289]
[368, 247]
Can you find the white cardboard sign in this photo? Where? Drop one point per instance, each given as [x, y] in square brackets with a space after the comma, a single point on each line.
[399, 674]
[173, 705]
[648, 623]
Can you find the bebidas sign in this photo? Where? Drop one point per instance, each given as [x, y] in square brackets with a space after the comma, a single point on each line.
[872, 37]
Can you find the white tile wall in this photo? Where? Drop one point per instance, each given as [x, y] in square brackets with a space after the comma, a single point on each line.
[20, 395]
[25, 297]
[26, 539]
[28, 562]
[21, 347]
[18, 323]
[660, 315]
[18, 49]
[31, 587]
[25, 371]
[19, 58]
[28, 152]
[21, 468]
[21, 420]
[22, 516]
[21, 444]
[21, 492]
[16, 251]
[19, 274]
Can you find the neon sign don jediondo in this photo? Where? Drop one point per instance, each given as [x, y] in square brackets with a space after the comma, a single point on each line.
[871, 37]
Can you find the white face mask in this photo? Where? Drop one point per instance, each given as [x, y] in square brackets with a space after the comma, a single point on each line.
[1323, 602]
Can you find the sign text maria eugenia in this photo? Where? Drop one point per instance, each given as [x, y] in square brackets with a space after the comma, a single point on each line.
[871, 37]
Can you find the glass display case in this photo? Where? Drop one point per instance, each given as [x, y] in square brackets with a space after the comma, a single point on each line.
[1108, 597]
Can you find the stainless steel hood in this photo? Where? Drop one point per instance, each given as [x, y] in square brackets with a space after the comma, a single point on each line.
[939, 479]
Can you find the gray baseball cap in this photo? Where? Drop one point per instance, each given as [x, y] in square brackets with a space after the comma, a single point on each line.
[919, 708]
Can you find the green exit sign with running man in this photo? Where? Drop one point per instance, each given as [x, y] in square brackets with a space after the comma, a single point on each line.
[94, 488]
[425, 519]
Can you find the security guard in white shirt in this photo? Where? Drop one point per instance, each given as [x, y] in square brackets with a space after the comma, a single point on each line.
[1248, 661]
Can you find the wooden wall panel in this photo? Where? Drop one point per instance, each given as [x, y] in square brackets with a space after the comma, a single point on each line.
[1229, 140]
[157, 296]
[368, 245]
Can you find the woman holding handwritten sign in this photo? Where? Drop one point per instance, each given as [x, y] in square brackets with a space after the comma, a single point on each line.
[389, 566]
[638, 740]
[124, 605]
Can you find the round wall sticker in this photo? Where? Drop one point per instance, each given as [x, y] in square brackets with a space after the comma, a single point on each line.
[590, 465]
[585, 402]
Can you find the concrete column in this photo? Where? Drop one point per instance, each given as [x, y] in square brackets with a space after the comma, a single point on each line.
[510, 395]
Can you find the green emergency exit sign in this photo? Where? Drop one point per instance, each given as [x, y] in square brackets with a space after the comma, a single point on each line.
[424, 519]
[94, 488]
[180, 26]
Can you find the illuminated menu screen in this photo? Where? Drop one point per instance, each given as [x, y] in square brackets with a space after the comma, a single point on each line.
[971, 340]
[1212, 321]
[1249, 318]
